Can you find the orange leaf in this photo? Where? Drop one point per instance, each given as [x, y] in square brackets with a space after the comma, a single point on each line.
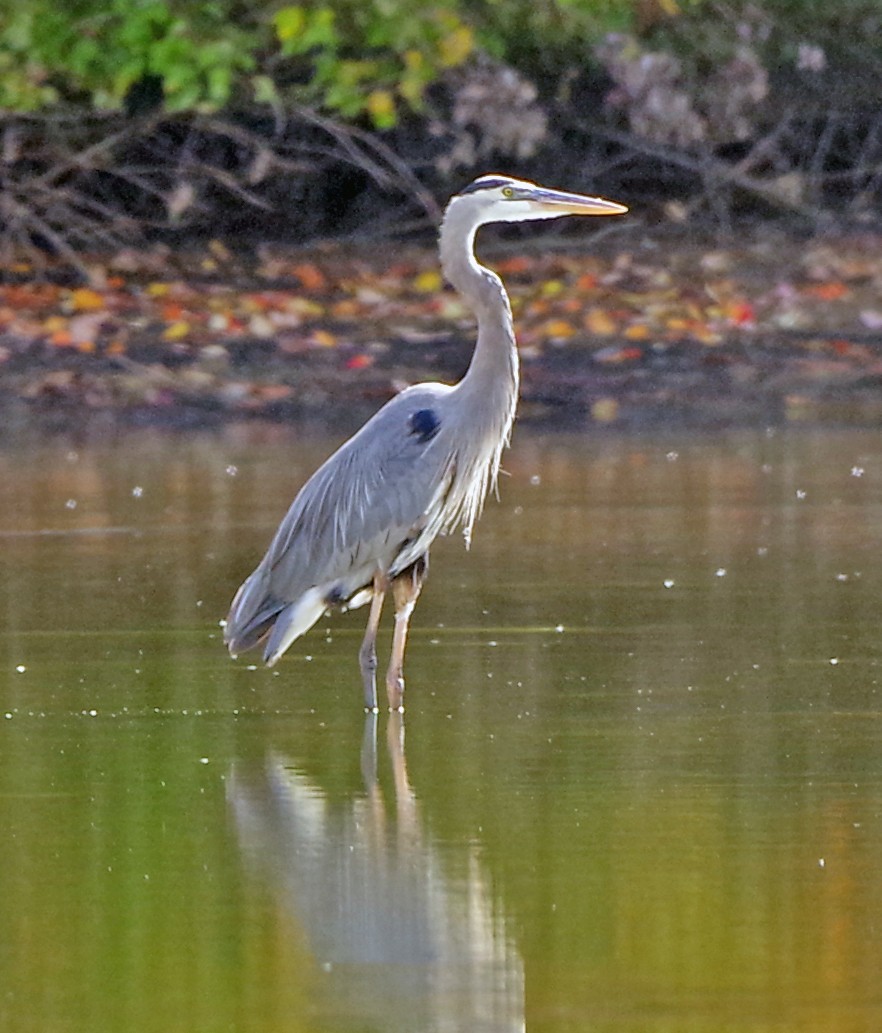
[324, 339]
[61, 339]
[740, 313]
[513, 266]
[599, 322]
[172, 311]
[832, 291]
[84, 299]
[345, 308]
[637, 332]
[310, 276]
[54, 324]
[586, 282]
[559, 328]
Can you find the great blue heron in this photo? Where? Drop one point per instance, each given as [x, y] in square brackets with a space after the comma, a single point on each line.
[421, 466]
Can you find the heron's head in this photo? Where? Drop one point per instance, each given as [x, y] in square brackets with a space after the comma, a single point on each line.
[504, 199]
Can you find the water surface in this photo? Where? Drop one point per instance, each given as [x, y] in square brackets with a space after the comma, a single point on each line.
[638, 785]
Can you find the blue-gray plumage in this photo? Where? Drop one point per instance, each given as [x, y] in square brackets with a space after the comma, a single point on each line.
[420, 467]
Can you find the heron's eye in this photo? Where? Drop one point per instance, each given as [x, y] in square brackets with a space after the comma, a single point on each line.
[508, 191]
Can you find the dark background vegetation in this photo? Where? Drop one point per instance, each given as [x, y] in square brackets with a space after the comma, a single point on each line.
[131, 119]
[206, 206]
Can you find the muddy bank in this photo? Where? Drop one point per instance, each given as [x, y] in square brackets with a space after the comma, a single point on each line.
[640, 334]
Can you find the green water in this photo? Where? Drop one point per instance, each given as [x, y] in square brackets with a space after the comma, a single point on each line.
[638, 786]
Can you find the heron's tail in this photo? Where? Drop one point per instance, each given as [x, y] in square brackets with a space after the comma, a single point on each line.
[251, 615]
[255, 614]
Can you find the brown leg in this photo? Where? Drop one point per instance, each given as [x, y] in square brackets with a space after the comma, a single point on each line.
[367, 655]
[405, 591]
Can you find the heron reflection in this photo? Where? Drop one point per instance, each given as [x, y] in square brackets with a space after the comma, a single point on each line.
[399, 942]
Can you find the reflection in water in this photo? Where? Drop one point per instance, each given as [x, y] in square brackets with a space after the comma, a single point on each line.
[399, 943]
[659, 725]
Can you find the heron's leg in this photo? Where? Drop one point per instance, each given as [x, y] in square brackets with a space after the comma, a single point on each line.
[405, 591]
[367, 655]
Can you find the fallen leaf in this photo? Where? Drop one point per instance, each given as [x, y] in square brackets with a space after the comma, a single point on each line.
[176, 331]
[599, 322]
[359, 362]
[515, 265]
[739, 313]
[831, 291]
[637, 332]
[84, 299]
[323, 338]
[428, 282]
[310, 276]
[558, 328]
[552, 288]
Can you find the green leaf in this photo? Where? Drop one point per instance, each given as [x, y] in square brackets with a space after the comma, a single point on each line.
[289, 23]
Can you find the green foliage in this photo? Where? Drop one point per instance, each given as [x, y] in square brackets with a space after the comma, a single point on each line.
[355, 57]
[366, 57]
[360, 58]
[98, 49]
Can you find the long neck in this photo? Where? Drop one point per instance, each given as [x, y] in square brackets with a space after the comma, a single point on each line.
[492, 377]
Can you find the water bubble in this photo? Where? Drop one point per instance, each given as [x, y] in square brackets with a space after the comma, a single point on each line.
[21, 668]
[137, 491]
[721, 572]
[535, 479]
[71, 504]
[672, 457]
[857, 471]
[669, 582]
[800, 494]
[231, 470]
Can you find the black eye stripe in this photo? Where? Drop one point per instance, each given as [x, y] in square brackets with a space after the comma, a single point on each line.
[487, 183]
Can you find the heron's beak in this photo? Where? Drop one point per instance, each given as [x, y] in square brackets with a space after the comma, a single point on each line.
[575, 204]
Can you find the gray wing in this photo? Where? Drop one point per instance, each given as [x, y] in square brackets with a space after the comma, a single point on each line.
[375, 503]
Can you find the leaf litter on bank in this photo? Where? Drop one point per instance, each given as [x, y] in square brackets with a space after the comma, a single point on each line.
[772, 330]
